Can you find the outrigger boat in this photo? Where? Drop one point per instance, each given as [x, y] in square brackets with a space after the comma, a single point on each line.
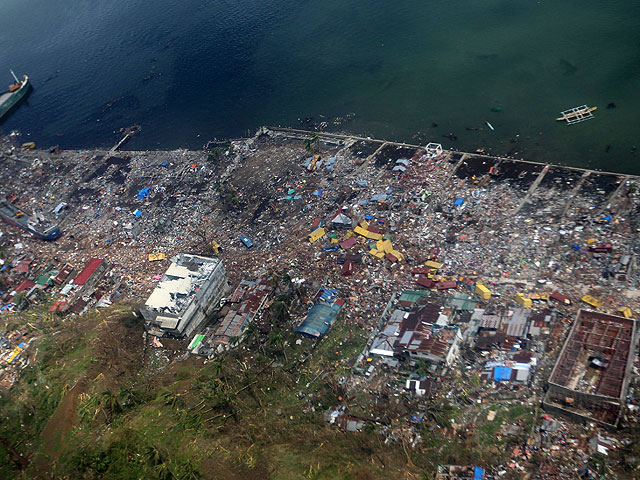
[577, 114]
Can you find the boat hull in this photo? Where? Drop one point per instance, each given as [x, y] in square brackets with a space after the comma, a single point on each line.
[10, 100]
[7, 213]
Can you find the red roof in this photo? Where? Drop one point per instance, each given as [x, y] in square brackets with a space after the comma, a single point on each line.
[63, 274]
[22, 267]
[348, 243]
[561, 298]
[87, 271]
[425, 282]
[347, 268]
[447, 285]
[24, 285]
[420, 270]
[373, 229]
[59, 306]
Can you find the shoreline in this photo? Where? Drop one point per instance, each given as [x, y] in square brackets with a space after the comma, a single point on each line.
[301, 134]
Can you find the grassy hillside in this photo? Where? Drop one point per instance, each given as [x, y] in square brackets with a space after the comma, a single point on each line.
[94, 404]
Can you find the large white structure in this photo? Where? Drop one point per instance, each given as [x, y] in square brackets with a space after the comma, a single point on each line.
[189, 291]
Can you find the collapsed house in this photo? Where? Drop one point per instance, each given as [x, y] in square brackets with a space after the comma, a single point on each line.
[190, 290]
[247, 302]
[591, 376]
[422, 334]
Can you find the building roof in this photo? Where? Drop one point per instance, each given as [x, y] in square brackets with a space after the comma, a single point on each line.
[250, 297]
[517, 325]
[24, 285]
[87, 271]
[63, 273]
[350, 242]
[322, 315]
[180, 283]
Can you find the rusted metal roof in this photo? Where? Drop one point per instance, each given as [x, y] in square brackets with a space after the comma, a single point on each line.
[87, 271]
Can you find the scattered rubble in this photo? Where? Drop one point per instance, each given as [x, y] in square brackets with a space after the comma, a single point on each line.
[465, 272]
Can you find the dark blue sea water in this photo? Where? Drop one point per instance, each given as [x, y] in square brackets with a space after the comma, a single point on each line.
[191, 70]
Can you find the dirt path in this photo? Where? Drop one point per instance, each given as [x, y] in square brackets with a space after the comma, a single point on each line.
[54, 433]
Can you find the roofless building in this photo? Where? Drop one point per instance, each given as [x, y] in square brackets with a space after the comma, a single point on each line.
[590, 378]
[189, 291]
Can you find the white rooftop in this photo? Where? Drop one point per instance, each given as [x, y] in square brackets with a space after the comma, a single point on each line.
[180, 283]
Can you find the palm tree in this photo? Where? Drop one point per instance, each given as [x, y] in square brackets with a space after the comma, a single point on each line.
[310, 144]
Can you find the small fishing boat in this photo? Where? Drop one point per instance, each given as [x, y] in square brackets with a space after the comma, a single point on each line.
[577, 114]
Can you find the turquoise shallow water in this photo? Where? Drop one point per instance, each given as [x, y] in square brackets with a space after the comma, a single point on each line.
[218, 68]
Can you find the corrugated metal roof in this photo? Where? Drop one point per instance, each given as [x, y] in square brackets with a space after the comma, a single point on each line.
[322, 314]
[24, 285]
[87, 271]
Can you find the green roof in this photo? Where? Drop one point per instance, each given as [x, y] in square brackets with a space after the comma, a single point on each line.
[196, 341]
[45, 277]
[461, 301]
[413, 295]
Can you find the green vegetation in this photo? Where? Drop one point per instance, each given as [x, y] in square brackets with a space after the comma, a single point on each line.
[89, 407]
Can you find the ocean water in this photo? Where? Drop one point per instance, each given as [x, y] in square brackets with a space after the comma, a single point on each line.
[191, 70]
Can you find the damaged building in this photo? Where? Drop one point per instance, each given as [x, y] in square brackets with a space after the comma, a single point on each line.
[423, 334]
[591, 376]
[189, 291]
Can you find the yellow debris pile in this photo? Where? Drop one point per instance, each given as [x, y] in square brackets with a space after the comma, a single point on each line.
[383, 247]
[482, 291]
[367, 234]
[594, 302]
[317, 234]
[523, 300]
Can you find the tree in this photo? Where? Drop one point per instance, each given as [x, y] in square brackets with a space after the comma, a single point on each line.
[311, 144]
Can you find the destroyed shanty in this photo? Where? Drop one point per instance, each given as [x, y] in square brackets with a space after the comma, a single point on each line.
[435, 288]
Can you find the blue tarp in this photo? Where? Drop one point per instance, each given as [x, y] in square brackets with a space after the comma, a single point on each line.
[142, 194]
[458, 202]
[501, 374]
[322, 314]
[478, 473]
[137, 213]
[328, 295]
[247, 243]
